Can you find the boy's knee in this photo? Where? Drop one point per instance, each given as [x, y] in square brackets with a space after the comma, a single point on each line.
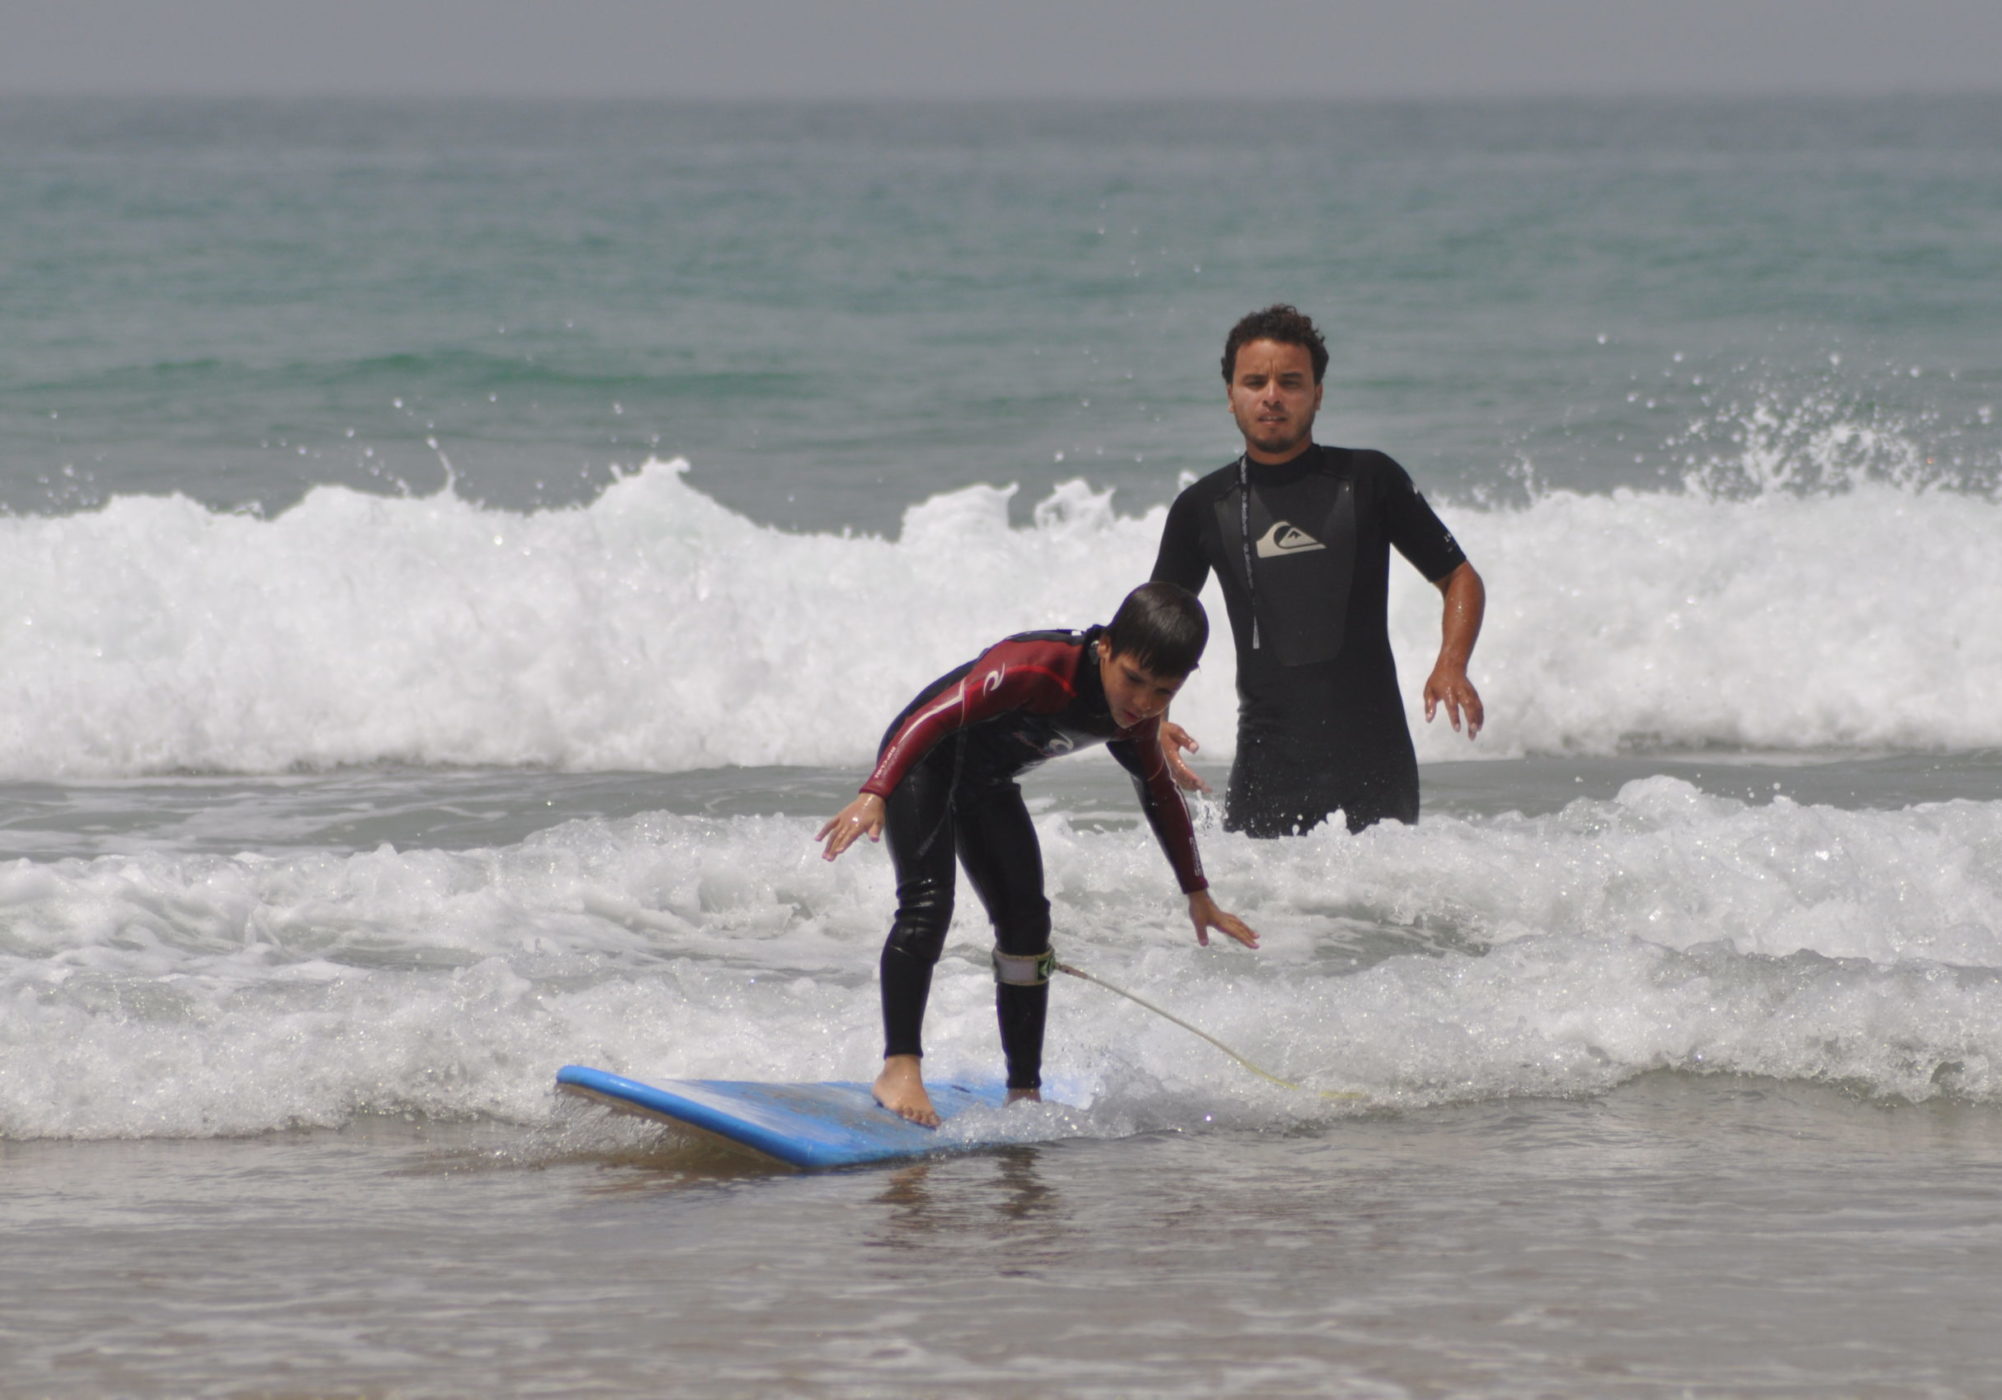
[924, 913]
[1024, 932]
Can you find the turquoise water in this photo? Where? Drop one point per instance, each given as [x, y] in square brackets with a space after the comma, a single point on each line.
[833, 311]
[452, 556]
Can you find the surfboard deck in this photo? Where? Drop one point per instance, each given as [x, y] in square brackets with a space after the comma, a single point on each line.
[815, 1126]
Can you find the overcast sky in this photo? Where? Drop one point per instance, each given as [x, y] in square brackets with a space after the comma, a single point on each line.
[998, 48]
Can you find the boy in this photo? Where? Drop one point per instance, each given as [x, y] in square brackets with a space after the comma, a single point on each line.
[944, 783]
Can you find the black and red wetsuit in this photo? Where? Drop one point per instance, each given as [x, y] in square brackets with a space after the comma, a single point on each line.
[946, 773]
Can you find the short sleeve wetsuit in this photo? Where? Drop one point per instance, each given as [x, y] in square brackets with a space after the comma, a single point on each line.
[947, 771]
[1302, 551]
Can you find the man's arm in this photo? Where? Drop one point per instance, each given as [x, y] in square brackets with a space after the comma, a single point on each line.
[1180, 559]
[1421, 537]
[1466, 600]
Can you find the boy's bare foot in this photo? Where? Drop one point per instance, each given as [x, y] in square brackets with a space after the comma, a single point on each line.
[1025, 1096]
[901, 1089]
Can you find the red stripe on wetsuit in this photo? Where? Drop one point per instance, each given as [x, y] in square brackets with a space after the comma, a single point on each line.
[1039, 676]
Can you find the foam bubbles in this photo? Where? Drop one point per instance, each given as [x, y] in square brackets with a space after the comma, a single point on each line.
[187, 995]
[653, 629]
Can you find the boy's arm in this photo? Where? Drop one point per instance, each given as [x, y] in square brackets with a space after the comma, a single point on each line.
[1145, 758]
[915, 738]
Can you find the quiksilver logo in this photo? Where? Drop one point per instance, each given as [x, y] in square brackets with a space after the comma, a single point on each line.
[1283, 538]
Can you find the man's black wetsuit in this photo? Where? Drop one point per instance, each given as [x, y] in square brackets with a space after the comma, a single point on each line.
[947, 774]
[1320, 721]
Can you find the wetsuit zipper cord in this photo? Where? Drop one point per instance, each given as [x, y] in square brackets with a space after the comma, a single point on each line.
[1244, 531]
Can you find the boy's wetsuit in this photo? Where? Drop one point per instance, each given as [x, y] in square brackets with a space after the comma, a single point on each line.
[1320, 722]
[946, 774]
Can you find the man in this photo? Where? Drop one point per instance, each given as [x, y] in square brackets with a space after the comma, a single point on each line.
[944, 785]
[1300, 538]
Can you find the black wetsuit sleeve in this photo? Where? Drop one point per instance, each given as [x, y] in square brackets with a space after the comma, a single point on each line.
[1181, 559]
[1166, 811]
[1415, 530]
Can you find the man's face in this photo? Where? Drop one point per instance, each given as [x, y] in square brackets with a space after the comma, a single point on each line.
[1134, 693]
[1274, 398]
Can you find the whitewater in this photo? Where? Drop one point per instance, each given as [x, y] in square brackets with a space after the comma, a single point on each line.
[361, 942]
[653, 629]
[150, 995]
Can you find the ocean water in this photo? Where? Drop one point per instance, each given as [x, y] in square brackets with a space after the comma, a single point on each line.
[453, 555]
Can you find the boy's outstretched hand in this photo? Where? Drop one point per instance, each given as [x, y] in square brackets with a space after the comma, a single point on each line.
[1204, 914]
[862, 817]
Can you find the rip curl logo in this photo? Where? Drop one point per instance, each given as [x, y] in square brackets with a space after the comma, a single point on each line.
[1043, 742]
[1284, 538]
[993, 681]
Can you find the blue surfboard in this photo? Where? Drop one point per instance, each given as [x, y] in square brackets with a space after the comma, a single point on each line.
[815, 1126]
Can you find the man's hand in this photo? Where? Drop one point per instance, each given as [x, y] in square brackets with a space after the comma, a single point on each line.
[1466, 600]
[1452, 689]
[1204, 914]
[1174, 739]
[862, 817]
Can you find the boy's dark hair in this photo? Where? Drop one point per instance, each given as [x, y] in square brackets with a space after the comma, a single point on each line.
[1162, 627]
[1286, 324]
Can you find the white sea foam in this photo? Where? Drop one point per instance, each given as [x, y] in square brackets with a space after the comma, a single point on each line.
[171, 995]
[654, 629]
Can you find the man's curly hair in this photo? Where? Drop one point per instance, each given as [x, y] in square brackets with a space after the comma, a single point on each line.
[1287, 325]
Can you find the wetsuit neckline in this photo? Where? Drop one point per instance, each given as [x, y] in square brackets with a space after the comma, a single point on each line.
[1245, 459]
[1281, 473]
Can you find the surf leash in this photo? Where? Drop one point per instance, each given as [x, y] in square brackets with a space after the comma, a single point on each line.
[1349, 1095]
